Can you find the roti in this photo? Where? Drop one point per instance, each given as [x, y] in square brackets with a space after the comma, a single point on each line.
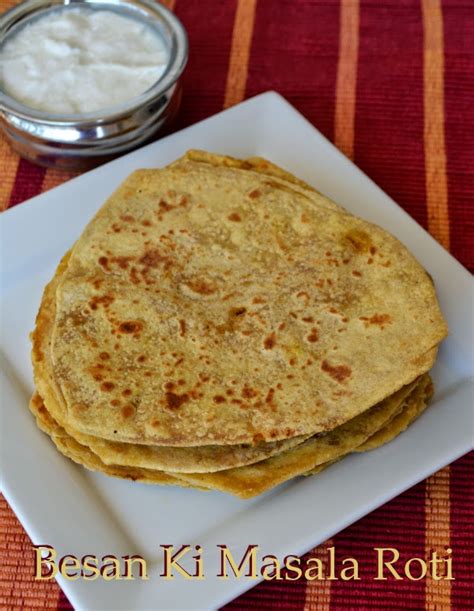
[247, 482]
[82, 455]
[207, 304]
[174, 459]
[321, 450]
[414, 406]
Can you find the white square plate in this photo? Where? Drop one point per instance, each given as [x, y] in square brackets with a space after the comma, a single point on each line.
[79, 512]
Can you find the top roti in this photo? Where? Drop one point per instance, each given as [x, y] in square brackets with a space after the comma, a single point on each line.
[222, 302]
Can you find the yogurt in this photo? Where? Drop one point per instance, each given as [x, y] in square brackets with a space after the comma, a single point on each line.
[80, 60]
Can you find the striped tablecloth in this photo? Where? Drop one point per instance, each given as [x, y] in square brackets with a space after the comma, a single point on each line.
[390, 82]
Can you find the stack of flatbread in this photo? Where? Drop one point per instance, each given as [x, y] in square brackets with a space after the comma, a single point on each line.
[221, 325]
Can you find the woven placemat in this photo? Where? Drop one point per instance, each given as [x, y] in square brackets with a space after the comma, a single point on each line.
[390, 83]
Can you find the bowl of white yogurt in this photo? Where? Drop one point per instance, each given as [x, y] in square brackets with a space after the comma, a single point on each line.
[84, 81]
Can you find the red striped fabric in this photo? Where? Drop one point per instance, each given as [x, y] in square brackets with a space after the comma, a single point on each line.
[210, 34]
[28, 181]
[458, 18]
[462, 533]
[391, 83]
[295, 51]
[400, 525]
[389, 111]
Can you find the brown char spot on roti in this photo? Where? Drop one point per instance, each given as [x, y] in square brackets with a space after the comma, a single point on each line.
[104, 300]
[254, 194]
[107, 386]
[269, 341]
[175, 401]
[380, 320]
[270, 394]
[130, 327]
[237, 311]
[248, 392]
[121, 261]
[340, 373]
[164, 206]
[128, 411]
[104, 263]
[201, 287]
[153, 258]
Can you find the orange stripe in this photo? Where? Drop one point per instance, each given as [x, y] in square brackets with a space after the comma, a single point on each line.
[437, 520]
[18, 588]
[318, 593]
[9, 161]
[240, 52]
[6, 4]
[55, 177]
[346, 82]
[169, 4]
[435, 150]
[437, 536]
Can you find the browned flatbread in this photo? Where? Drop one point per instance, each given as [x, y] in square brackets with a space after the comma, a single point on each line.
[82, 455]
[233, 308]
[220, 324]
[257, 478]
[250, 482]
[414, 406]
[173, 459]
